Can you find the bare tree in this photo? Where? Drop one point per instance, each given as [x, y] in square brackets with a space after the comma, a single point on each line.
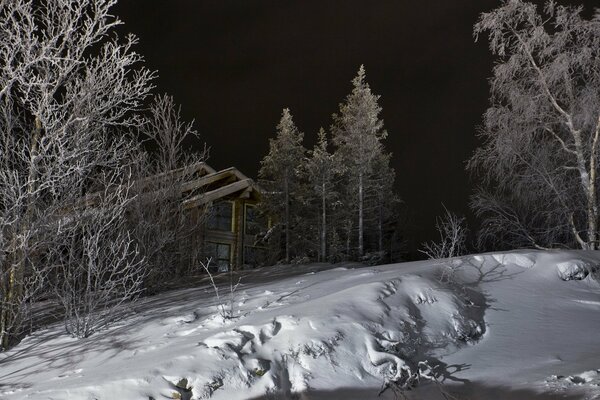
[541, 133]
[453, 236]
[167, 130]
[68, 86]
[163, 229]
[98, 267]
[225, 304]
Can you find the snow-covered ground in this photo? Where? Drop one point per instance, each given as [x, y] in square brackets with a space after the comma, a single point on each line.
[493, 326]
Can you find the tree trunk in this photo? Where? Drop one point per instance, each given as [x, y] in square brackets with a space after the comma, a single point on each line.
[287, 219]
[323, 225]
[592, 199]
[16, 263]
[360, 215]
[592, 213]
[348, 238]
[380, 224]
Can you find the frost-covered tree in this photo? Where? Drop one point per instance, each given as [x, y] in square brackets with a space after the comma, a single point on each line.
[166, 129]
[97, 265]
[384, 202]
[163, 230]
[280, 176]
[323, 173]
[541, 133]
[452, 241]
[69, 87]
[357, 134]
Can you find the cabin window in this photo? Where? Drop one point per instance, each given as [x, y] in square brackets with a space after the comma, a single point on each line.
[219, 217]
[220, 254]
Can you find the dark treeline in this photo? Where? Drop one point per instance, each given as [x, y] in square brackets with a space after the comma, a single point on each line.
[336, 201]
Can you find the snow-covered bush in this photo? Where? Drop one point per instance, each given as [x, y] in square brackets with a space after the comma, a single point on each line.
[452, 231]
[374, 258]
[576, 270]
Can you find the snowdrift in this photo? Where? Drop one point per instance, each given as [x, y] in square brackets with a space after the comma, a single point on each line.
[511, 325]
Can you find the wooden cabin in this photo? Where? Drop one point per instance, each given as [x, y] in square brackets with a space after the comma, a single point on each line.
[226, 204]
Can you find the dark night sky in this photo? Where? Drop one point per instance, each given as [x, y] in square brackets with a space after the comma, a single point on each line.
[233, 65]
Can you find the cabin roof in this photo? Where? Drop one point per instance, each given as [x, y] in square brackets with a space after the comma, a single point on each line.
[229, 182]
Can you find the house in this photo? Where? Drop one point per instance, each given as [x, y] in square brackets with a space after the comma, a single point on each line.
[226, 203]
[221, 208]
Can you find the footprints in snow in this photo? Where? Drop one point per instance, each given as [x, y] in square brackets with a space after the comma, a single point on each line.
[76, 373]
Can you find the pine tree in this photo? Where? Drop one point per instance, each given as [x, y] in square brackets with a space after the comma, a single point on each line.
[357, 134]
[279, 174]
[383, 200]
[322, 172]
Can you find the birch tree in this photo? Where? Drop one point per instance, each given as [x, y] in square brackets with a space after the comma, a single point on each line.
[358, 133]
[96, 263]
[167, 131]
[162, 228]
[541, 132]
[68, 86]
[280, 175]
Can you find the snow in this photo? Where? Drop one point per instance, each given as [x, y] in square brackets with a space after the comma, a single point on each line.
[503, 325]
[574, 269]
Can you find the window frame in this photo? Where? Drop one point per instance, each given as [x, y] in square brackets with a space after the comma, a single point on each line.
[218, 260]
[214, 221]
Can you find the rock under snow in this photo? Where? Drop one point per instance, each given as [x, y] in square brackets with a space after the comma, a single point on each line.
[574, 270]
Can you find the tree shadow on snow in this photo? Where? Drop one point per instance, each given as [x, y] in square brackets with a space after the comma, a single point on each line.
[485, 273]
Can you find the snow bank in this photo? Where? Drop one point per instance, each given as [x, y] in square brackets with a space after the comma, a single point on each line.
[324, 330]
[367, 332]
[503, 319]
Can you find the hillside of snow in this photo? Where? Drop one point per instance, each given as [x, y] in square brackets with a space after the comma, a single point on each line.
[518, 325]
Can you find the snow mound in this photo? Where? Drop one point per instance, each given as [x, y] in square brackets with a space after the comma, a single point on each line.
[523, 260]
[495, 321]
[574, 270]
[329, 330]
[339, 338]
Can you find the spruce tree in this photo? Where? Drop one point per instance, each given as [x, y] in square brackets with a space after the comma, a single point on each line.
[384, 201]
[322, 171]
[279, 174]
[358, 133]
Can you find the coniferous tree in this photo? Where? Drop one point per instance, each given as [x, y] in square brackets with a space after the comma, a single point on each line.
[384, 200]
[358, 133]
[279, 174]
[322, 173]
